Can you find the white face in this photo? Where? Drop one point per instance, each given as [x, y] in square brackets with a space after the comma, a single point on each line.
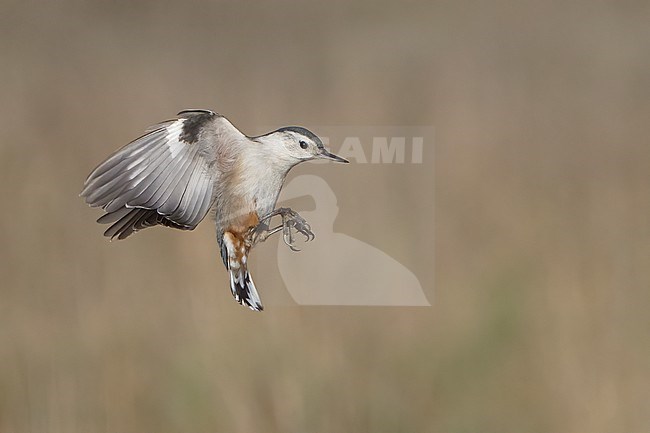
[300, 146]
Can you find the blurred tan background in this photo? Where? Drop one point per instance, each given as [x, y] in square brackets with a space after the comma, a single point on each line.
[539, 282]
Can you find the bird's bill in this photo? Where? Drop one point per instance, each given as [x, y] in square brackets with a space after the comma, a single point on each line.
[326, 155]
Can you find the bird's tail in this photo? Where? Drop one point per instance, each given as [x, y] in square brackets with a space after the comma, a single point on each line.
[234, 252]
[243, 288]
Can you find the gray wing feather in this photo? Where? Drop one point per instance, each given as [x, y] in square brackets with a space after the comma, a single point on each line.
[202, 204]
[116, 166]
[155, 182]
[165, 185]
[118, 179]
[145, 190]
[189, 196]
[110, 218]
[177, 190]
[166, 177]
[123, 224]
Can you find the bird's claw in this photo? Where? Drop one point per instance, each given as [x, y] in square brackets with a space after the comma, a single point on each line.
[291, 220]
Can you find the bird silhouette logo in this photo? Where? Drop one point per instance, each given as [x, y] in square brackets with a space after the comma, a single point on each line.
[340, 269]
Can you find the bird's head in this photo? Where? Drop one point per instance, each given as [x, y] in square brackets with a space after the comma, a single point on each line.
[299, 144]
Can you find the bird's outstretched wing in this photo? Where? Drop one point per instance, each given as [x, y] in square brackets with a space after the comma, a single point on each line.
[165, 177]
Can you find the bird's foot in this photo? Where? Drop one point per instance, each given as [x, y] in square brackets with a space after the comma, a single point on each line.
[291, 220]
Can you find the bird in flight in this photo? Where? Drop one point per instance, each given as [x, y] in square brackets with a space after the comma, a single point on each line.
[183, 168]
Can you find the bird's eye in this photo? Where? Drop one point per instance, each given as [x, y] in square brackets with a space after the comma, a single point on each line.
[303, 144]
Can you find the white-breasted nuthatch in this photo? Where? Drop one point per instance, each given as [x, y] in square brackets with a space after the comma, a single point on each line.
[182, 168]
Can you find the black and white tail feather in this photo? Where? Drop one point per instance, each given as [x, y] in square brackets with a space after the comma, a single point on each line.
[235, 256]
[243, 288]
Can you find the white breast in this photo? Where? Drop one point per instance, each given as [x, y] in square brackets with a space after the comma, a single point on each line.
[262, 178]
